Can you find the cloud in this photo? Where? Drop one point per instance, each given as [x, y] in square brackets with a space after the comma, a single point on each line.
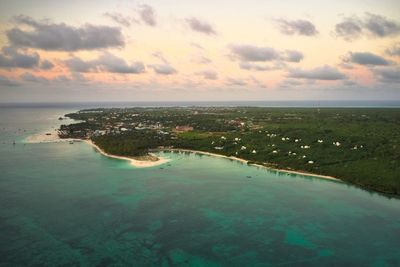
[350, 83]
[163, 69]
[62, 79]
[62, 37]
[76, 76]
[299, 27]
[293, 56]
[29, 77]
[107, 62]
[249, 56]
[349, 29]
[236, 82]
[254, 53]
[148, 15]
[325, 72]
[366, 58]
[46, 65]
[257, 82]
[200, 26]
[208, 74]
[4, 81]
[196, 45]
[373, 25]
[387, 74]
[287, 83]
[345, 64]
[380, 26]
[119, 18]
[160, 56]
[201, 60]
[78, 65]
[394, 50]
[110, 63]
[254, 66]
[12, 58]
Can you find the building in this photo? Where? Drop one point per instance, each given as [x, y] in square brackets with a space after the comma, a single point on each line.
[183, 128]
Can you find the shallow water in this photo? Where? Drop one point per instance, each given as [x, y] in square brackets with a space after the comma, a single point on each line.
[63, 204]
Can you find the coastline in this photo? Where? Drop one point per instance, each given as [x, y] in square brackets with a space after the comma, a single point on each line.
[54, 138]
[256, 165]
[134, 162]
[43, 137]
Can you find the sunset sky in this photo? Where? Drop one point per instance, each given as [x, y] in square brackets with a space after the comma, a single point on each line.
[199, 50]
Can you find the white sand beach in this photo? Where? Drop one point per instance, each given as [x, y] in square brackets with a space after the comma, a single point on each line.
[134, 162]
[51, 136]
[256, 165]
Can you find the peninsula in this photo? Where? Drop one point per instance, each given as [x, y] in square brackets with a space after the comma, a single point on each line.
[356, 145]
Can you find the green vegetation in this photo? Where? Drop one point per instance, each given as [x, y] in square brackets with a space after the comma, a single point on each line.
[360, 146]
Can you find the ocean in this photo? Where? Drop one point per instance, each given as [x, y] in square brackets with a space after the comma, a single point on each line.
[294, 103]
[65, 204]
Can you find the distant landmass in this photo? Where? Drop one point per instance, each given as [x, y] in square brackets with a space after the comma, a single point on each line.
[294, 103]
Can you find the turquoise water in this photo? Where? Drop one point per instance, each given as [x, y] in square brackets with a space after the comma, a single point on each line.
[67, 205]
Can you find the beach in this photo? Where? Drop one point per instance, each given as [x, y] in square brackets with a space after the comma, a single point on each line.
[255, 165]
[51, 136]
[134, 162]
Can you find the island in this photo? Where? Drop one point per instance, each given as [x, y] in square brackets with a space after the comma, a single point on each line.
[360, 146]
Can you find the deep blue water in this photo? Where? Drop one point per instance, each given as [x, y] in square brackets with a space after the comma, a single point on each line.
[67, 205]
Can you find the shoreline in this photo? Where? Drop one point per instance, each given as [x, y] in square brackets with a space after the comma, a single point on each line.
[43, 137]
[134, 162]
[54, 138]
[326, 177]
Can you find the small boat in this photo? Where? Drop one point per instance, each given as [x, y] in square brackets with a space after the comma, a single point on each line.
[48, 133]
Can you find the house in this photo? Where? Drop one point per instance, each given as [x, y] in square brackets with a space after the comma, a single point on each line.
[184, 128]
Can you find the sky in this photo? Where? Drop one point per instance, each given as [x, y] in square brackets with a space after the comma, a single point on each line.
[227, 50]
